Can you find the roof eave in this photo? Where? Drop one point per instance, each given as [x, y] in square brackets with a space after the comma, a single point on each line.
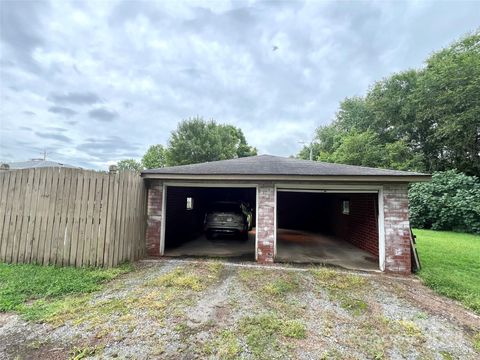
[241, 177]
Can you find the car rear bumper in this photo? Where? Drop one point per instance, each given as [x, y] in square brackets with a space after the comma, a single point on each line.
[226, 228]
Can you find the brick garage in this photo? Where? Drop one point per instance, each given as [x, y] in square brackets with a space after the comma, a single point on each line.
[377, 222]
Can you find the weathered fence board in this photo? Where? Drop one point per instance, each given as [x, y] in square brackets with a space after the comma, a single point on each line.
[62, 216]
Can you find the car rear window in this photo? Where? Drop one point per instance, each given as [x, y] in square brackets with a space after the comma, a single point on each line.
[225, 207]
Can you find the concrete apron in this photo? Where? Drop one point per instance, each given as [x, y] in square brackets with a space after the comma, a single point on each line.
[293, 246]
[307, 247]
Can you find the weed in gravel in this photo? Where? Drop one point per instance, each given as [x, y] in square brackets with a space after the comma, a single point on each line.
[293, 329]
[55, 312]
[333, 279]
[476, 342]
[178, 279]
[224, 346]
[446, 355]
[158, 350]
[263, 332]
[410, 328]
[183, 329]
[355, 306]
[333, 354]
[215, 267]
[78, 353]
[281, 286]
[36, 344]
[274, 288]
[197, 277]
[422, 316]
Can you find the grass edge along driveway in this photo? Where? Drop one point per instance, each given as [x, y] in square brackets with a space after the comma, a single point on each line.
[451, 265]
[31, 290]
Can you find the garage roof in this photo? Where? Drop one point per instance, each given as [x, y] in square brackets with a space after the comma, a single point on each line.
[273, 167]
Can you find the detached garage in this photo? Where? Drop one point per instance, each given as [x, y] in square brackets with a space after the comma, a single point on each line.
[292, 210]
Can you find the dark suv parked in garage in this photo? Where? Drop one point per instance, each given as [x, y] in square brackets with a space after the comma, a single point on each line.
[228, 217]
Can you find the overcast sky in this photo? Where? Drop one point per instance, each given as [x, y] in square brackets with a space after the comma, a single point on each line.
[96, 82]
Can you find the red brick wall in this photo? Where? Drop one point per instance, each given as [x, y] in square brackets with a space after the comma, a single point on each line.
[397, 229]
[266, 223]
[360, 227]
[154, 217]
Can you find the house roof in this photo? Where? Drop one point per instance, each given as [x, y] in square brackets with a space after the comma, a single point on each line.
[270, 167]
[40, 163]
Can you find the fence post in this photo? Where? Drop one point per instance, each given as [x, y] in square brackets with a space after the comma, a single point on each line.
[113, 169]
[111, 214]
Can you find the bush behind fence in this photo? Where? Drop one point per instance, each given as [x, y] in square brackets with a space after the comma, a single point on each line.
[76, 217]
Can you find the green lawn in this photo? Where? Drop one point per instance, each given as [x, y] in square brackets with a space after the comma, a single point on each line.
[451, 264]
[20, 284]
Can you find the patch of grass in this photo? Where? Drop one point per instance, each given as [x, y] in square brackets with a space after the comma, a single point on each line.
[275, 282]
[196, 278]
[293, 329]
[476, 342]
[340, 287]
[224, 346]
[179, 279]
[22, 283]
[451, 264]
[262, 332]
[355, 306]
[274, 288]
[335, 280]
[333, 354]
[54, 311]
[281, 286]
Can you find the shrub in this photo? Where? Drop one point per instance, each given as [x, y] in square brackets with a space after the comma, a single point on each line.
[451, 201]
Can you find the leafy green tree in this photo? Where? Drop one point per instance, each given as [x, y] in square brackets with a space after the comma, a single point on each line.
[196, 140]
[155, 157]
[447, 101]
[425, 119]
[451, 201]
[362, 149]
[129, 165]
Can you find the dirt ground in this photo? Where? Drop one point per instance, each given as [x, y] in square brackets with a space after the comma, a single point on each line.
[178, 309]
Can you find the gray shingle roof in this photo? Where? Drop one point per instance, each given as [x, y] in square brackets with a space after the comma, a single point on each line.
[37, 164]
[276, 165]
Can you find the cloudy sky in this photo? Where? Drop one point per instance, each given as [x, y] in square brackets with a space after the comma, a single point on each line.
[96, 82]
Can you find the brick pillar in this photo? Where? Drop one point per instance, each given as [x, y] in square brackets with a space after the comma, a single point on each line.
[397, 229]
[266, 223]
[154, 217]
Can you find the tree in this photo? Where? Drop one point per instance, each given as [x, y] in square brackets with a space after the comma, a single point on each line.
[362, 149]
[129, 165]
[154, 157]
[196, 140]
[425, 119]
[448, 105]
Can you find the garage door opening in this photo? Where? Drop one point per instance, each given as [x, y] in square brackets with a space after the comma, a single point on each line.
[329, 228]
[210, 222]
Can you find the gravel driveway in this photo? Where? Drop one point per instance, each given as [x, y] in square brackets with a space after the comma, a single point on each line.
[178, 309]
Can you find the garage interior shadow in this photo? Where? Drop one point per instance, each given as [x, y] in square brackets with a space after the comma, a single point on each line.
[328, 228]
[186, 208]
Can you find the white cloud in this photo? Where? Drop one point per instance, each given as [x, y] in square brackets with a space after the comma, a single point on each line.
[141, 67]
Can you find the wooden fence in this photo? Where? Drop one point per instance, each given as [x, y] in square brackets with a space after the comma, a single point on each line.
[72, 217]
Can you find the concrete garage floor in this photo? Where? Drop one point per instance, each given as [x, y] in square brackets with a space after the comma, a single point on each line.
[306, 247]
[293, 246]
[221, 246]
